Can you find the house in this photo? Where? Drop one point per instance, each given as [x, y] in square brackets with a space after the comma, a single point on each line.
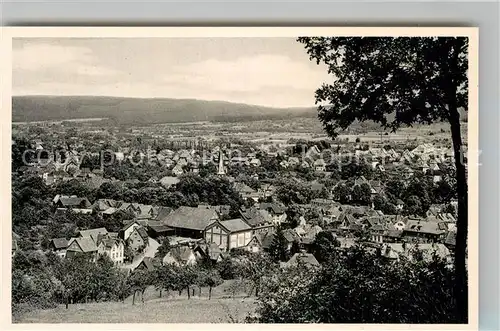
[293, 161]
[275, 210]
[63, 211]
[234, 233]
[92, 233]
[319, 165]
[260, 220]
[255, 244]
[103, 204]
[157, 229]
[145, 264]
[307, 233]
[190, 221]
[112, 247]
[423, 231]
[347, 223]
[65, 201]
[177, 170]
[180, 256]
[246, 192]
[302, 259]
[396, 251]
[267, 190]
[211, 252]
[59, 246]
[169, 181]
[392, 236]
[239, 161]
[82, 246]
[138, 239]
[290, 235]
[255, 162]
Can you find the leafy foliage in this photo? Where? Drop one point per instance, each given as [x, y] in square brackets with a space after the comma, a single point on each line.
[398, 292]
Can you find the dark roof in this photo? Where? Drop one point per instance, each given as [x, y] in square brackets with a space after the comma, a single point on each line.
[303, 258]
[73, 201]
[393, 233]
[276, 208]
[190, 218]
[163, 212]
[60, 243]
[235, 225]
[147, 262]
[291, 235]
[255, 217]
[129, 224]
[142, 232]
[158, 228]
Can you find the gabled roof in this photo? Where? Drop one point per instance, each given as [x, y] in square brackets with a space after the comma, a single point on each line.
[179, 254]
[69, 201]
[92, 233]
[86, 244]
[190, 218]
[303, 258]
[243, 188]
[147, 262]
[129, 224]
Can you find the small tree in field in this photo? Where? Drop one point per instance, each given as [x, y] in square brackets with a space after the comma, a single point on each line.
[397, 82]
[139, 281]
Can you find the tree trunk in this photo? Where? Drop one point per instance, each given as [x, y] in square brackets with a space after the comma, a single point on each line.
[193, 290]
[180, 292]
[160, 293]
[210, 293]
[133, 298]
[460, 290]
[142, 295]
[189, 293]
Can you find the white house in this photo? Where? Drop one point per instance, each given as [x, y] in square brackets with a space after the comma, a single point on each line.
[112, 247]
[127, 230]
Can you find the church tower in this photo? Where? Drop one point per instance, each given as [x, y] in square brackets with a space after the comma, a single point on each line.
[221, 171]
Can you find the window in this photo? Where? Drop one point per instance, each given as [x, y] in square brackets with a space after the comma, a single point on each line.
[241, 239]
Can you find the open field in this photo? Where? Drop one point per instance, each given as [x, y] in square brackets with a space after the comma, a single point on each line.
[168, 309]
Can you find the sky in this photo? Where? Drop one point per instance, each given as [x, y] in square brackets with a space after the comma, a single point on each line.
[273, 72]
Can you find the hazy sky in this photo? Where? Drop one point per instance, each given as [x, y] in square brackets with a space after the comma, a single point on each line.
[264, 71]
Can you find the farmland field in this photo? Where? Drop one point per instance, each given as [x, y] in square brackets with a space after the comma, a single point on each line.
[168, 309]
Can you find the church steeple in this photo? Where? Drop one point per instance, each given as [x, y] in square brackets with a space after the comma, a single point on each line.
[221, 170]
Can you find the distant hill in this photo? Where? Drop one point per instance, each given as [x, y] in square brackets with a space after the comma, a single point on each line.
[143, 111]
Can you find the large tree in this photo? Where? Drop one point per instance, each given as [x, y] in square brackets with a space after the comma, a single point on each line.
[397, 82]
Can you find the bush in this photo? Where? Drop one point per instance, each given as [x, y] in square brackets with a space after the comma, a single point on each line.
[360, 287]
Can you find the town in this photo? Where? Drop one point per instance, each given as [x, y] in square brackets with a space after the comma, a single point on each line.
[145, 202]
